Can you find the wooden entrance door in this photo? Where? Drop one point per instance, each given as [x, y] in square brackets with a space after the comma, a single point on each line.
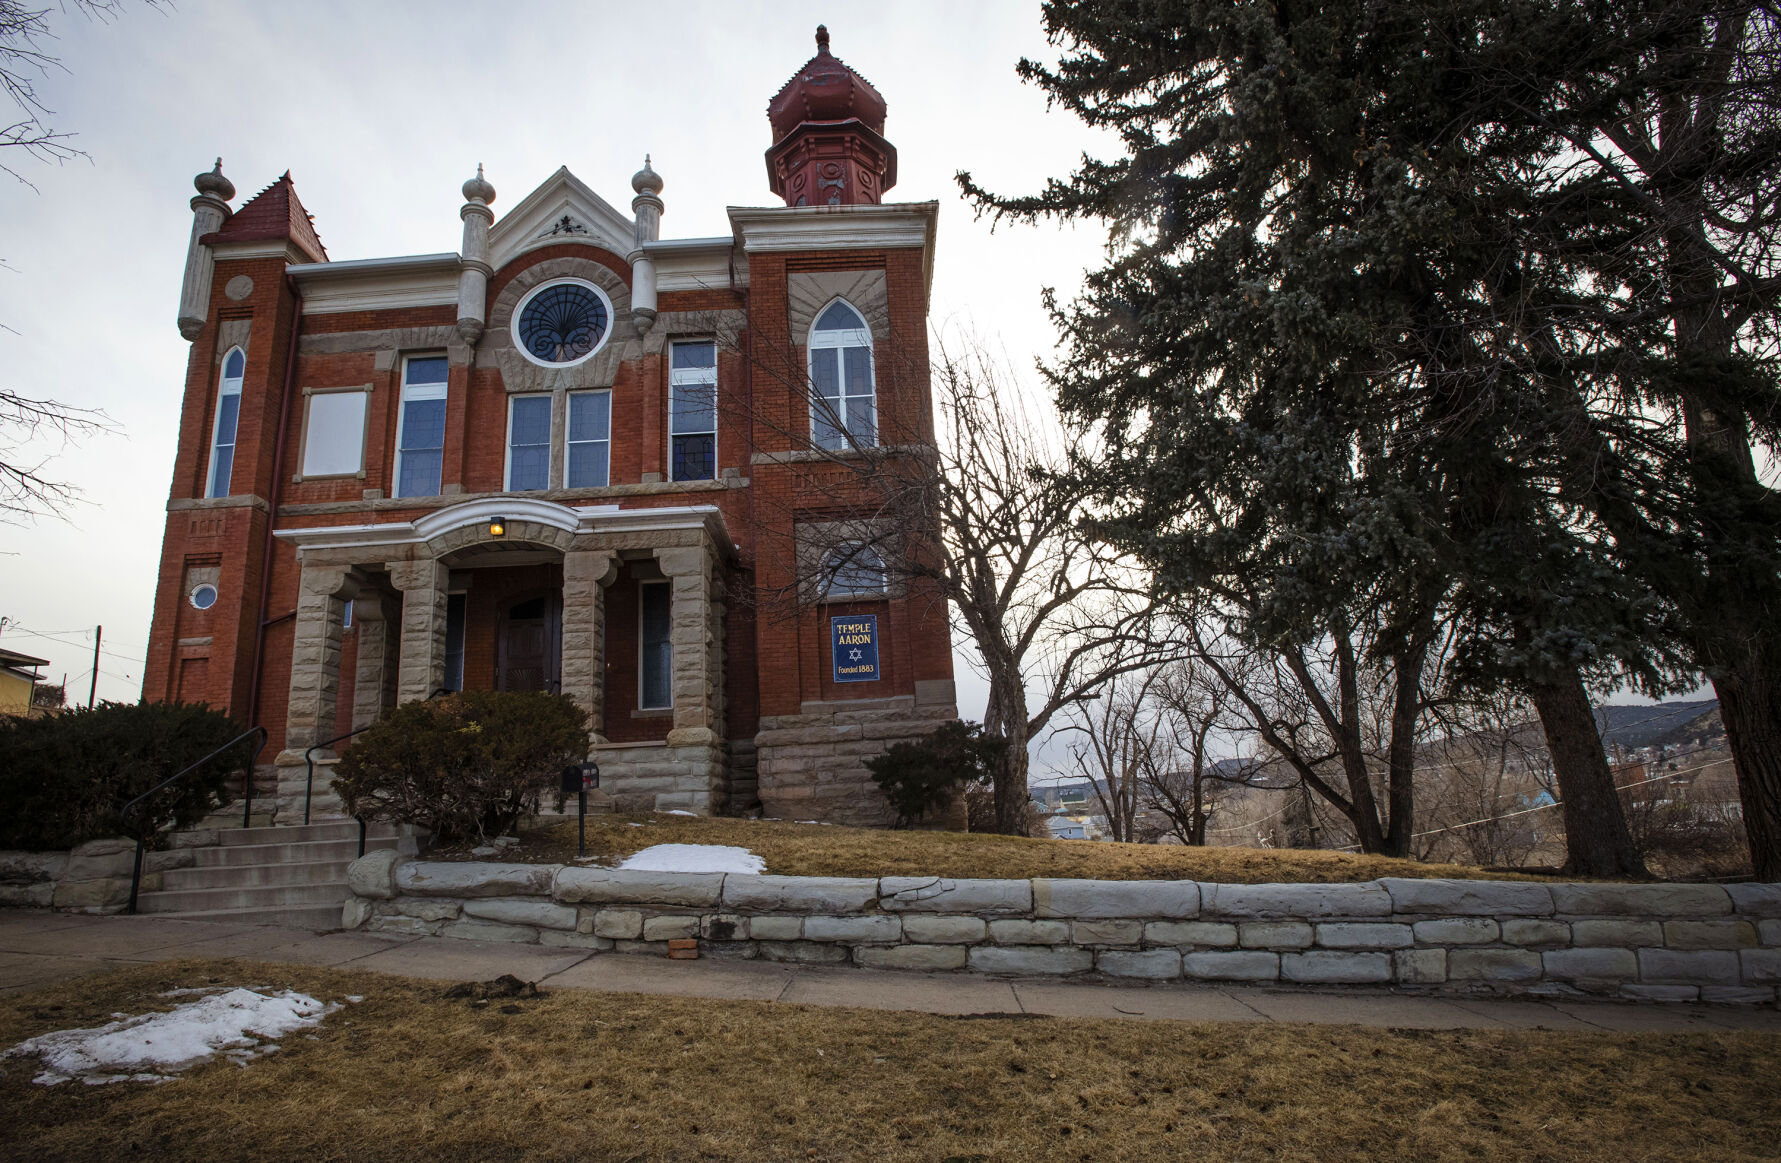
[526, 657]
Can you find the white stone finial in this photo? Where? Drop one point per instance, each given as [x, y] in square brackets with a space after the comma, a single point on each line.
[479, 189]
[214, 183]
[646, 180]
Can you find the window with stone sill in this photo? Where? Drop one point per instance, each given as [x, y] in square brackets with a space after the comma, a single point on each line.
[228, 417]
[843, 394]
[692, 412]
[587, 460]
[528, 443]
[420, 427]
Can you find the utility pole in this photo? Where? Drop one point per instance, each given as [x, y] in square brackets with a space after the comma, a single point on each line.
[98, 633]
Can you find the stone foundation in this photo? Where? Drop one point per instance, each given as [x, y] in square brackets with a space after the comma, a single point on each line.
[812, 766]
[663, 778]
[1688, 942]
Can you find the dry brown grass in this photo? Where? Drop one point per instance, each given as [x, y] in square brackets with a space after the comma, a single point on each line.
[793, 849]
[408, 1074]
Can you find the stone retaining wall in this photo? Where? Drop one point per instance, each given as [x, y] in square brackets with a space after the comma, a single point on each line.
[92, 878]
[1673, 942]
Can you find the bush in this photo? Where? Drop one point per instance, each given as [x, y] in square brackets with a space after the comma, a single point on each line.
[63, 778]
[919, 776]
[465, 766]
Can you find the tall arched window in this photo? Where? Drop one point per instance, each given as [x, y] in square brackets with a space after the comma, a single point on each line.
[843, 401]
[228, 413]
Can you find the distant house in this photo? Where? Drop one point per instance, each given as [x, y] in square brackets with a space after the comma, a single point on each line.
[1062, 828]
[18, 681]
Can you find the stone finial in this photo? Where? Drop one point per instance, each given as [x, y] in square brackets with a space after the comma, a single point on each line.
[214, 183]
[646, 180]
[822, 38]
[479, 189]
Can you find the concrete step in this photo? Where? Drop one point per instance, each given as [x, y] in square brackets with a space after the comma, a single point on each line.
[311, 917]
[269, 897]
[244, 855]
[335, 830]
[255, 875]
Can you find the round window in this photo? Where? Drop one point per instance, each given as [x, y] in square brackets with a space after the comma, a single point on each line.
[204, 596]
[563, 323]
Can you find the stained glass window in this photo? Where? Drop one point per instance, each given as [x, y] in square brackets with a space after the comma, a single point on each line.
[228, 415]
[563, 323]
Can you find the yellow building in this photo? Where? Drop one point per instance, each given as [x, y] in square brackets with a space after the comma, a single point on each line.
[18, 681]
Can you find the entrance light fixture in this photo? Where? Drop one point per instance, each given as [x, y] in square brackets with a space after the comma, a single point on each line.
[498, 527]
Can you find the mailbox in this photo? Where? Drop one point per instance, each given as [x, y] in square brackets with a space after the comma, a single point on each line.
[590, 774]
[572, 777]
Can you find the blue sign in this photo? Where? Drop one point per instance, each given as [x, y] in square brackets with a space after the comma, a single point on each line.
[855, 648]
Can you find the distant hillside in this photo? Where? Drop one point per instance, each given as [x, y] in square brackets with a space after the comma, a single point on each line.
[1659, 725]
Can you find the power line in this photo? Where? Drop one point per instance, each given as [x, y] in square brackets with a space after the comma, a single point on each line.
[51, 636]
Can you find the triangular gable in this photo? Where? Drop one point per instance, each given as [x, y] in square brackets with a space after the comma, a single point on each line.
[563, 209]
[275, 212]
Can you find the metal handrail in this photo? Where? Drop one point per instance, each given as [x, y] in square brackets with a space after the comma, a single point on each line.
[309, 756]
[309, 762]
[142, 833]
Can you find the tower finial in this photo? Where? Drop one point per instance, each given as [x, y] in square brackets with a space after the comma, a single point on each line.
[822, 38]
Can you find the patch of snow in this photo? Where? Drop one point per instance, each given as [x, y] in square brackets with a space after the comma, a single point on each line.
[679, 812]
[695, 858]
[238, 1023]
[633, 824]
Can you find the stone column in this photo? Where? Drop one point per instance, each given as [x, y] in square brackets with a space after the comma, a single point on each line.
[694, 640]
[371, 618]
[322, 594]
[586, 574]
[421, 664]
[210, 209]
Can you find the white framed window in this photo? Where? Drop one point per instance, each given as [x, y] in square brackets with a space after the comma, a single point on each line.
[655, 661]
[333, 433]
[692, 412]
[852, 570]
[420, 429]
[228, 416]
[587, 460]
[528, 443]
[843, 398]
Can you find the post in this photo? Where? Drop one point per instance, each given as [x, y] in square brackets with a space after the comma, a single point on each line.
[98, 636]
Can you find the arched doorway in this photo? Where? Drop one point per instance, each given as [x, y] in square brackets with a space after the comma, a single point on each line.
[527, 645]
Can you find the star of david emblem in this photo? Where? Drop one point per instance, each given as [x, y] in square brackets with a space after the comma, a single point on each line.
[854, 654]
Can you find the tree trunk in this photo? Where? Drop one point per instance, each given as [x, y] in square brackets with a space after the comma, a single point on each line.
[1597, 841]
[1006, 715]
[1750, 707]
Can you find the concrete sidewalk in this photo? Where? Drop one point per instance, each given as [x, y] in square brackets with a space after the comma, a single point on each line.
[39, 949]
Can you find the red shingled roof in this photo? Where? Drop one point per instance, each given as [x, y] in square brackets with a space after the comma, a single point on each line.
[274, 212]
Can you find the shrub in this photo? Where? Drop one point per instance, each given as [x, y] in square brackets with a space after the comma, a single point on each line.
[63, 778]
[921, 775]
[465, 766]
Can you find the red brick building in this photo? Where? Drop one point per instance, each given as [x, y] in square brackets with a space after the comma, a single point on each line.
[575, 456]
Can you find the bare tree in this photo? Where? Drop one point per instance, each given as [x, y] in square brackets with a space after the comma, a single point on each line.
[1476, 783]
[1195, 704]
[1344, 711]
[1118, 744]
[26, 489]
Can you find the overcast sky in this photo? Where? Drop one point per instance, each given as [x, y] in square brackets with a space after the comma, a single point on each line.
[380, 111]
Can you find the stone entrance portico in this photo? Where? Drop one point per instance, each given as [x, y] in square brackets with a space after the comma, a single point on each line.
[400, 577]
